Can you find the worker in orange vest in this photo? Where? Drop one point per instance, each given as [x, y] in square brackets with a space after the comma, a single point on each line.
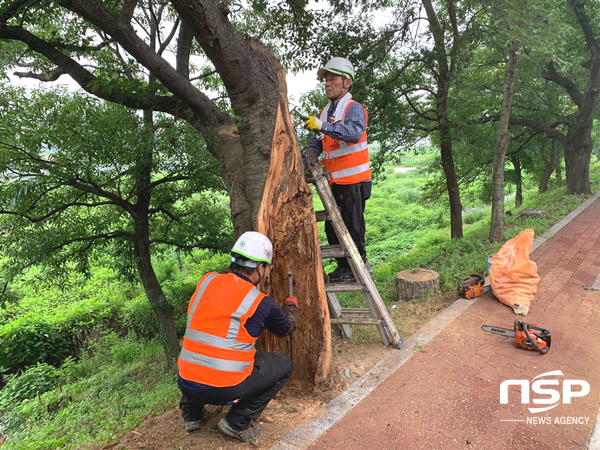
[218, 364]
[341, 137]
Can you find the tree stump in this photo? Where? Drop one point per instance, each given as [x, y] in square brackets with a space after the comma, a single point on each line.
[535, 213]
[416, 282]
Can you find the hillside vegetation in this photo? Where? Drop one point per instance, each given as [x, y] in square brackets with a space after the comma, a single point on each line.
[82, 361]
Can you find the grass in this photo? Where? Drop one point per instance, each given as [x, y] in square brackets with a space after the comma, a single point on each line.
[111, 391]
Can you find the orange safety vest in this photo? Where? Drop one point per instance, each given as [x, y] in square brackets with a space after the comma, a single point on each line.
[217, 350]
[347, 163]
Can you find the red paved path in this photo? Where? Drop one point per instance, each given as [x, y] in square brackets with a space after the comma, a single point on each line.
[447, 395]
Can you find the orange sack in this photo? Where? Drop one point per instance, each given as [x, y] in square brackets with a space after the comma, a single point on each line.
[514, 277]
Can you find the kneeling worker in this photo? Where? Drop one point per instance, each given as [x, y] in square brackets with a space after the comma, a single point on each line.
[218, 364]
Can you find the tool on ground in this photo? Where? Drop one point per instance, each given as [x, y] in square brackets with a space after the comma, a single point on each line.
[304, 118]
[472, 287]
[528, 336]
[291, 283]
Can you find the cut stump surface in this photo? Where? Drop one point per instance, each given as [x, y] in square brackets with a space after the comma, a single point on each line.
[413, 283]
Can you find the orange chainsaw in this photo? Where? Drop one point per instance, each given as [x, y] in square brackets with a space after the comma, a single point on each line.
[472, 287]
[527, 335]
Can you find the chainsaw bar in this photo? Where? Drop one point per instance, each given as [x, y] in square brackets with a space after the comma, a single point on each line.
[527, 336]
[501, 331]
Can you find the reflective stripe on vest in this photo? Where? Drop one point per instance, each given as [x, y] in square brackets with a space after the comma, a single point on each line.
[228, 343]
[346, 149]
[214, 363]
[352, 171]
[198, 296]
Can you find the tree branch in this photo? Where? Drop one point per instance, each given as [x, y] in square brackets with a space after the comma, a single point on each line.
[552, 75]
[84, 78]
[550, 132]
[96, 13]
[586, 27]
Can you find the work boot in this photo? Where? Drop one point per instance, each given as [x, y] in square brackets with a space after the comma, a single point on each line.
[336, 275]
[194, 425]
[249, 434]
[347, 276]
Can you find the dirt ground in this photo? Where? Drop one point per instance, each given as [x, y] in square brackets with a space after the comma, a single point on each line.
[352, 358]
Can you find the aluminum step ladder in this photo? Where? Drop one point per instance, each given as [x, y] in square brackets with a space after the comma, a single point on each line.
[376, 312]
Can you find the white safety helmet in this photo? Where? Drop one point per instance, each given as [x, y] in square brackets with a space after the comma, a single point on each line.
[254, 246]
[340, 66]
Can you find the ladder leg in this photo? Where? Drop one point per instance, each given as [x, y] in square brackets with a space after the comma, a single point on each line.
[336, 311]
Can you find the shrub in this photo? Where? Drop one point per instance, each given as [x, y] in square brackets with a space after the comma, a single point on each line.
[38, 379]
[31, 340]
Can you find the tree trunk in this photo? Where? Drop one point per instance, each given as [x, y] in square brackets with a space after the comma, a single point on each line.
[163, 310]
[549, 165]
[268, 175]
[516, 162]
[503, 138]
[412, 283]
[156, 297]
[444, 78]
[578, 152]
[456, 229]
[559, 178]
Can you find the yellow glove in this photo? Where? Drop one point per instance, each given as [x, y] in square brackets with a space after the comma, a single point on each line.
[313, 123]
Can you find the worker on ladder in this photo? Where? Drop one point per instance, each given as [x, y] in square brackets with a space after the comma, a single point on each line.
[341, 137]
[218, 364]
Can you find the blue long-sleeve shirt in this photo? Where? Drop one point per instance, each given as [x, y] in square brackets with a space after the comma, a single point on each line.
[350, 131]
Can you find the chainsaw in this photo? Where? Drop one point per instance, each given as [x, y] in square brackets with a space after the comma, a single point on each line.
[527, 336]
[472, 287]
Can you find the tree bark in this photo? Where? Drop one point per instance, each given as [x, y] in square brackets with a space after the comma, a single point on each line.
[578, 153]
[549, 164]
[516, 162]
[444, 78]
[503, 138]
[287, 215]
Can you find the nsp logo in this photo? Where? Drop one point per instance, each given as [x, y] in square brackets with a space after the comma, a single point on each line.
[537, 387]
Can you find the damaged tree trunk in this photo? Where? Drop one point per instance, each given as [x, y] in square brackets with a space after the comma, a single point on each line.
[287, 214]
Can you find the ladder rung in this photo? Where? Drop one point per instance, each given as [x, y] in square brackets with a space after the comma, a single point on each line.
[350, 311]
[334, 251]
[322, 216]
[357, 316]
[344, 287]
[357, 320]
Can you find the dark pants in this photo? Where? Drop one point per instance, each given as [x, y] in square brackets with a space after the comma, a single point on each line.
[351, 198]
[249, 398]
